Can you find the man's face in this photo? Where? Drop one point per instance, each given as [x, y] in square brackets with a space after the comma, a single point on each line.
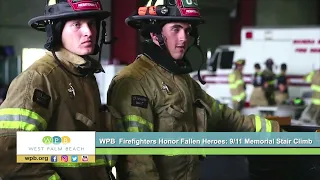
[79, 36]
[240, 67]
[176, 36]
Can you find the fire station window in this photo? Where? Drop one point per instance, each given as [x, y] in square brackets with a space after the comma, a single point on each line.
[226, 59]
[30, 55]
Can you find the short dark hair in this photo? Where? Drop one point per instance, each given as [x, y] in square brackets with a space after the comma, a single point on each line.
[257, 66]
[283, 66]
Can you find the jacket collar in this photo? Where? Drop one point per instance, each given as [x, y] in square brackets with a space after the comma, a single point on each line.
[164, 59]
[76, 62]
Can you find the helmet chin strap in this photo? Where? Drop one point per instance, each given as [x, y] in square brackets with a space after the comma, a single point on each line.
[196, 43]
[103, 39]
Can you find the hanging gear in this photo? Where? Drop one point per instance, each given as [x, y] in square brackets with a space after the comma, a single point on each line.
[153, 16]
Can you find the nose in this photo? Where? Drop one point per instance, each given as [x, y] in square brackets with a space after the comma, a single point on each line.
[86, 30]
[182, 35]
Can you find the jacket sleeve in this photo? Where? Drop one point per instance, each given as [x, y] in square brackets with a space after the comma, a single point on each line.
[308, 77]
[223, 118]
[28, 107]
[130, 99]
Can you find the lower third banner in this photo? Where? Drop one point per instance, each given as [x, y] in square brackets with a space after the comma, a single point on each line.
[208, 151]
[208, 143]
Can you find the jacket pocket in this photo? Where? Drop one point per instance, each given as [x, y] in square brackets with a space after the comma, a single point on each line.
[83, 122]
[201, 115]
[110, 118]
[173, 121]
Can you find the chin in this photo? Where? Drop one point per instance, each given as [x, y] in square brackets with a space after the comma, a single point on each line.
[86, 51]
[178, 56]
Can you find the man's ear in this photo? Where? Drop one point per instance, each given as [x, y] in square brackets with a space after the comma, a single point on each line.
[153, 36]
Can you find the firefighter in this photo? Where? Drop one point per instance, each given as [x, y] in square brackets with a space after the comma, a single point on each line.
[258, 95]
[237, 85]
[312, 112]
[155, 93]
[281, 94]
[50, 94]
[269, 79]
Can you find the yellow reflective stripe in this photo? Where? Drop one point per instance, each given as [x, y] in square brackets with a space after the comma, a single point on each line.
[315, 101]
[232, 86]
[232, 77]
[18, 118]
[236, 84]
[216, 106]
[263, 125]
[55, 176]
[213, 107]
[99, 162]
[18, 125]
[309, 77]
[268, 125]
[315, 87]
[258, 123]
[239, 97]
[240, 81]
[137, 124]
[133, 129]
[271, 82]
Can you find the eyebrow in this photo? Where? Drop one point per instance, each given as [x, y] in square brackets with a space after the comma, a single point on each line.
[179, 26]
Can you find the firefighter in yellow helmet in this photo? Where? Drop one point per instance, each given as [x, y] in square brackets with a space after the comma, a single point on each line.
[156, 93]
[258, 97]
[269, 79]
[312, 112]
[58, 92]
[238, 86]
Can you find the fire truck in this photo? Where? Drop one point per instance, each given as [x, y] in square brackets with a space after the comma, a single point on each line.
[298, 47]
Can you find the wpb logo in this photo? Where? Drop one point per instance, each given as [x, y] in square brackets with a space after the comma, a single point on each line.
[56, 140]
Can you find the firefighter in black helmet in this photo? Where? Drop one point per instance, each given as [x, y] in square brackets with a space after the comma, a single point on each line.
[155, 93]
[269, 82]
[281, 94]
[58, 92]
[258, 95]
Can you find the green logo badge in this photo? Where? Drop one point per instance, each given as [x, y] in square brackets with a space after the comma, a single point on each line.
[190, 3]
[47, 140]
